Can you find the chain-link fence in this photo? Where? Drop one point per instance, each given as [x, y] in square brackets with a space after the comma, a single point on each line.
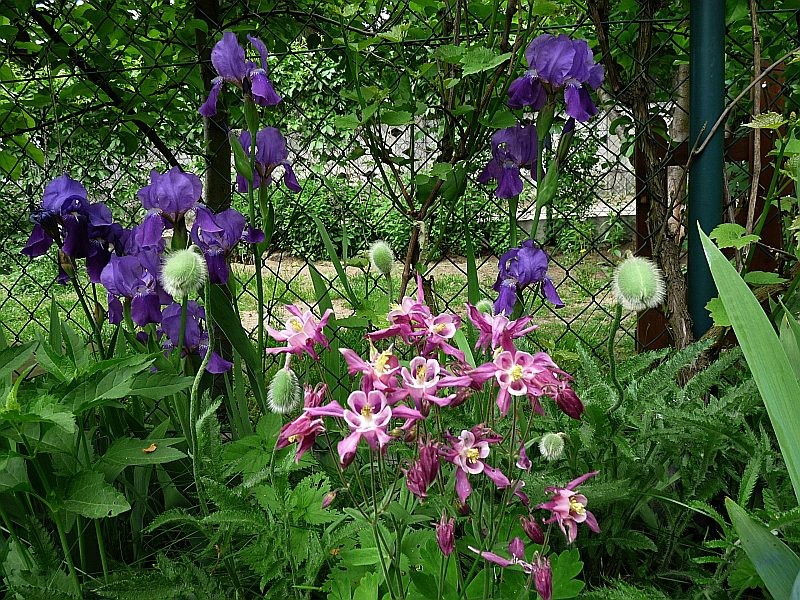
[107, 91]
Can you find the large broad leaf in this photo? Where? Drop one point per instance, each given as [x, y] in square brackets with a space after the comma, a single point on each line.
[132, 452]
[105, 387]
[775, 562]
[90, 496]
[13, 358]
[159, 385]
[224, 316]
[13, 473]
[765, 356]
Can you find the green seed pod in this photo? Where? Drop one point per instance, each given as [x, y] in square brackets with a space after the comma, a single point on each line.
[638, 284]
[284, 394]
[381, 257]
[485, 306]
[551, 446]
[183, 273]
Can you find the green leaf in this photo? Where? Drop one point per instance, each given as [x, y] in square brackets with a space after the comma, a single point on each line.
[13, 474]
[790, 340]
[13, 358]
[767, 120]
[501, 120]
[566, 567]
[775, 562]
[223, 315]
[337, 264]
[396, 117]
[763, 278]
[90, 496]
[718, 314]
[368, 588]
[159, 385]
[346, 122]
[479, 59]
[450, 53]
[732, 235]
[762, 349]
[241, 160]
[545, 8]
[127, 452]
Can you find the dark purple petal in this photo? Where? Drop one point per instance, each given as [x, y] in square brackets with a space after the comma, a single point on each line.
[145, 309]
[596, 74]
[289, 178]
[553, 59]
[63, 276]
[533, 48]
[252, 235]
[507, 299]
[217, 364]
[569, 403]
[271, 147]
[114, 310]
[171, 324]
[174, 193]
[63, 195]
[217, 268]
[529, 265]
[551, 294]
[491, 171]
[579, 104]
[262, 50]
[209, 107]
[263, 92]
[527, 91]
[227, 56]
[96, 260]
[583, 61]
[38, 243]
[509, 184]
[76, 237]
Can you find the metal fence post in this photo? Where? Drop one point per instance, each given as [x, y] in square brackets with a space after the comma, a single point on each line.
[706, 102]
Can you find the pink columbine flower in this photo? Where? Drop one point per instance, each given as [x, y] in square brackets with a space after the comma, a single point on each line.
[515, 372]
[423, 472]
[301, 331]
[406, 318]
[498, 331]
[539, 567]
[305, 428]
[445, 535]
[568, 508]
[424, 378]
[368, 418]
[437, 331]
[379, 373]
[532, 529]
[467, 452]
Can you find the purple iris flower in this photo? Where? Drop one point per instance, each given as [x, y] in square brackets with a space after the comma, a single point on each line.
[135, 278]
[555, 63]
[195, 337]
[82, 230]
[271, 152]
[171, 195]
[519, 268]
[228, 58]
[512, 148]
[216, 235]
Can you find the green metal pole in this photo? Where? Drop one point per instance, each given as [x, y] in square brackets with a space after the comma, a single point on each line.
[706, 102]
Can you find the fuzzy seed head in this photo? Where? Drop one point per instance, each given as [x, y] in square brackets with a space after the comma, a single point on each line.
[284, 394]
[551, 446]
[638, 284]
[485, 306]
[381, 257]
[183, 273]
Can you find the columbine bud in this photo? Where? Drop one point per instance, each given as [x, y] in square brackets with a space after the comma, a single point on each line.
[284, 393]
[183, 273]
[445, 535]
[551, 446]
[485, 306]
[381, 257]
[543, 576]
[328, 499]
[523, 462]
[638, 284]
[532, 529]
[517, 549]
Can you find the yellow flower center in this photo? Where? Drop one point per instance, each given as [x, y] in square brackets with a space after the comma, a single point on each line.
[381, 362]
[576, 507]
[296, 325]
[294, 438]
[366, 411]
[516, 372]
[421, 371]
[439, 327]
[472, 455]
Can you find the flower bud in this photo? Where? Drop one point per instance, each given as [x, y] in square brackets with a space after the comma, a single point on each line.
[551, 446]
[543, 577]
[638, 284]
[284, 393]
[328, 499]
[485, 306]
[183, 273]
[381, 258]
[532, 529]
[445, 535]
[517, 549]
